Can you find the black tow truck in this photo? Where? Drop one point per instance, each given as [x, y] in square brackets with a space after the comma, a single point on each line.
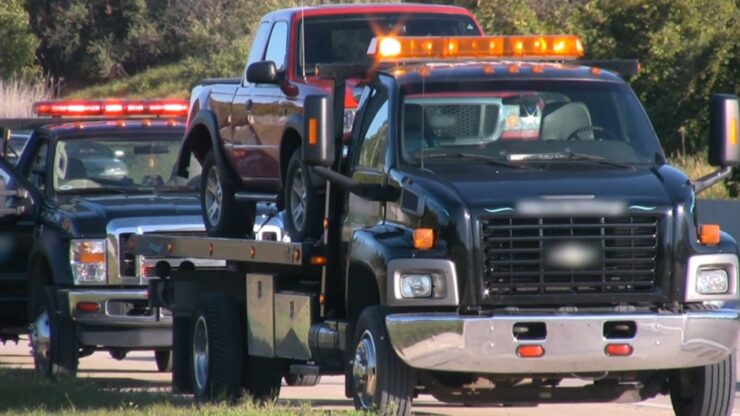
[503, 219]
[91, 174]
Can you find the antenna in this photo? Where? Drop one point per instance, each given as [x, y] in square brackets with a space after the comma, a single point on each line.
[303, 41]
[423, 138]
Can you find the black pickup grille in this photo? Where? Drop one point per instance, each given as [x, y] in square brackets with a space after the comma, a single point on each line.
[516, 263]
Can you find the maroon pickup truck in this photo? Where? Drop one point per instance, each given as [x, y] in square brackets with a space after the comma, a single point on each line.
[247, 132]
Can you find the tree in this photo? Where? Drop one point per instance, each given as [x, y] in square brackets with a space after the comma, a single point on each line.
[18, 48]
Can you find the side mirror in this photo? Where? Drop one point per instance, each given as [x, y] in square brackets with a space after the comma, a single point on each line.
[724, 130]
[263, 72]
[318, 131]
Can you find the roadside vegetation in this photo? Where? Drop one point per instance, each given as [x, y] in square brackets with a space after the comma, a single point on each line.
[148, 48]
[22, 392]
[18, 94]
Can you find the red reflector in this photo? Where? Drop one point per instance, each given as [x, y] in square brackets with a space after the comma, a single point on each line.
[620, 350]
[530, 351]
[88, 307]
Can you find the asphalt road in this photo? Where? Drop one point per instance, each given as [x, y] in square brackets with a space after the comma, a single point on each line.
[138, 370]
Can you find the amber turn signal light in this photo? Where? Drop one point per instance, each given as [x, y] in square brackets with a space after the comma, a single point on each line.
[423, 238]
[709, 234]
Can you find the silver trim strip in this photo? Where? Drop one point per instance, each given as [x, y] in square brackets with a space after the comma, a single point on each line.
[573, 342]
[728, 262]
[444, 281]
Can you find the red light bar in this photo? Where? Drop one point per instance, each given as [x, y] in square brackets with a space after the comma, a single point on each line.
[111, 108]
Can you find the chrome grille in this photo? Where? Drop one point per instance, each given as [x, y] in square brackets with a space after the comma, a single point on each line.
[515, 263]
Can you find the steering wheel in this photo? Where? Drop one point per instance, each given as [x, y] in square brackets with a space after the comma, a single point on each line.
[600, 133]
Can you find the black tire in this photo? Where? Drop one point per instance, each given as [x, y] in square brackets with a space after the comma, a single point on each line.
[301, 196]
[222, 214]
[56, 355]
[182, 357]
[163, 358]
[302, 379]
[216, 327]
[262, 378]
[704, 391]
[394, 379]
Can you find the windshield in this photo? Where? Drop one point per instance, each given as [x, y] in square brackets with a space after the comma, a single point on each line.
[99, 164]
[527, 121]
[337, 39]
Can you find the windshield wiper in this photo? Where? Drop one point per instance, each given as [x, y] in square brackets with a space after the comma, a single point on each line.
[569, 156]
[461, 155]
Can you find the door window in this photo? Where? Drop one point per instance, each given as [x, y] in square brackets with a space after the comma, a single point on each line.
[375, 138]
[276, 48]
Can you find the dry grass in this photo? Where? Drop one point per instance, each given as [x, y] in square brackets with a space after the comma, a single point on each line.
[18, 94]
[696, 166]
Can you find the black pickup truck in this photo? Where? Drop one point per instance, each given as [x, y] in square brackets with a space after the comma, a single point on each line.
[78, 190]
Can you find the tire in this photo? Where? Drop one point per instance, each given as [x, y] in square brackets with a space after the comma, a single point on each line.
[262, 378]
[394, 379]
[216, 345]
[704, 391]
[163, 358]
[118, 355]
[182, 357]
[302, 379]
[222, 214]
[54, 343]
[304, 207]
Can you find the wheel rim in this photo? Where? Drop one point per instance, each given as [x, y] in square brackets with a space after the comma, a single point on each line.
[298, 199]
[41, 341]
[200, 354]
[364, 370]
[213, 196]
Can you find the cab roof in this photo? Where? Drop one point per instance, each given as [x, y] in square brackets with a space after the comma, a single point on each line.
[365, 8]
[411, 73]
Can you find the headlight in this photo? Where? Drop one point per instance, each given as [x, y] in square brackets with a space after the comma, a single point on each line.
[712, 281]
[87, 258]
[416, 285]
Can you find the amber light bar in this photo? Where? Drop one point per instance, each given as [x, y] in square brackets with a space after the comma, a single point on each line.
[111, 108]
[553, 47]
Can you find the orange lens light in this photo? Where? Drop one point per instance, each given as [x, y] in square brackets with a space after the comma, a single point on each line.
[709, 234]
[557, 47]
[318, 260]
[423, 238]
[618, 350]
[92, 257]
[530, 351]
[312, 131]
[733, 131]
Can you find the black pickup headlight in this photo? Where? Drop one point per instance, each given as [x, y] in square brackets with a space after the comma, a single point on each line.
[88, 261]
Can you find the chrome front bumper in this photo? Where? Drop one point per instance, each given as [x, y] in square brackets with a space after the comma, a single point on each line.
[113, 308]
[573, 343]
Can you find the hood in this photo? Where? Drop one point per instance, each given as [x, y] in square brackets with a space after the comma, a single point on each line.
[88, 216]
[488, 188]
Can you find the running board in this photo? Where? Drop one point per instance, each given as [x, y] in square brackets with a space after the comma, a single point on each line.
[256, 197]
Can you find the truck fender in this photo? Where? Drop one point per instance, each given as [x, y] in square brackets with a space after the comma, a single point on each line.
[369, 257]
[54, 250]
[727, 243]
[204, 122]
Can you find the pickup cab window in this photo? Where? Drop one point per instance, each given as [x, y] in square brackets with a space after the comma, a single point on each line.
[336, 39]
[527, 122]
[37, 173]
[277, 46]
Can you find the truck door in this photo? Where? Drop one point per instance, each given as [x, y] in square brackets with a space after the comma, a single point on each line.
[268, 111]
[245, 136]
[369, 161]
[18, 203]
